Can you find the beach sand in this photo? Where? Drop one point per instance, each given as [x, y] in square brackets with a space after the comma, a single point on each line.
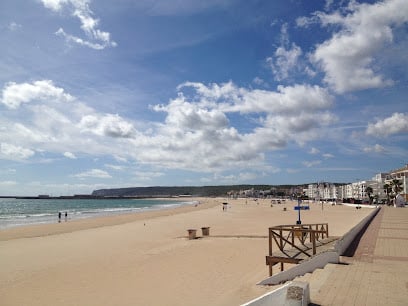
[147, 259]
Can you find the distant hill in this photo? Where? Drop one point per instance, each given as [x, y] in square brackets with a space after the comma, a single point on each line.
[199, 191]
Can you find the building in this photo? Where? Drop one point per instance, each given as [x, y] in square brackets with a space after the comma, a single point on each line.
[322, 191]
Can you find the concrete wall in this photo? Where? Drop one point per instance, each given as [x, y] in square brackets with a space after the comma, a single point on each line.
[344, 242]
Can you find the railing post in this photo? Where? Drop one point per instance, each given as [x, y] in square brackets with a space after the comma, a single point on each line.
[313, 242]
[280, 239]
[292, 232]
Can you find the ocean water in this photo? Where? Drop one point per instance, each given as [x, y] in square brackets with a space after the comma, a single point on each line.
[21, 212]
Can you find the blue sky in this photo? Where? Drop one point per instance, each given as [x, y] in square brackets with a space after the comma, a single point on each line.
[100, 94]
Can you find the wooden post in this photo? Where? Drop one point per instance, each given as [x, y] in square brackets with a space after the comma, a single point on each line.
[313, 242]
[280, 239]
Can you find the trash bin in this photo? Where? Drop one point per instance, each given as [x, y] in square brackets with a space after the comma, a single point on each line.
[192, 234]
[206, 231]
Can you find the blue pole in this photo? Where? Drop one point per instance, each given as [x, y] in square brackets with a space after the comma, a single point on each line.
[299, 222]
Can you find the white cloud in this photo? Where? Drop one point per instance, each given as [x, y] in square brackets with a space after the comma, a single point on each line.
[314, 151]
[196, 134]
[198, 129]
[286, 57]
[397, 123]
[327, 155]
[348, 58]
[8, 183]
[376, 149]
[107, 125]
[286, 100]
[89, 24]
[115, 167]
[13, 26]
[14, 152]
[13, 94]
[260, 82]
[70, 155]
[93, 173]
[310, 164]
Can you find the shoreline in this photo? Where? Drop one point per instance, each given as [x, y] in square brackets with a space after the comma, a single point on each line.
[55, 228]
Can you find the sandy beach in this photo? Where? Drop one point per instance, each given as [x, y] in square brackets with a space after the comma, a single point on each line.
[147, 259]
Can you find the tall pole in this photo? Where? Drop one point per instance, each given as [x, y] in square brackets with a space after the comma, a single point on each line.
[298, 221]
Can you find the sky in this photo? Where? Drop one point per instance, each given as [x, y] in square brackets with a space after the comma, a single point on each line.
[110, 94]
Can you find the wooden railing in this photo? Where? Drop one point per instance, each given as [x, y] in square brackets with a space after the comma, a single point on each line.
[292, 243]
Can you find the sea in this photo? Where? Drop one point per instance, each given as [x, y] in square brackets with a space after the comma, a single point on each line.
[16, 212]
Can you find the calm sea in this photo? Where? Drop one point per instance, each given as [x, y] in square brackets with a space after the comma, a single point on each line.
[20, 212]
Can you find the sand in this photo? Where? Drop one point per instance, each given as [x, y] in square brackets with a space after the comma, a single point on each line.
[147, 259]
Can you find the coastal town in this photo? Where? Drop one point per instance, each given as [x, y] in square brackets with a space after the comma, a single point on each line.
[383, 188]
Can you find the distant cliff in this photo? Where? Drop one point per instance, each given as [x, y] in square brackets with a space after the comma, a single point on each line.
[201, 191]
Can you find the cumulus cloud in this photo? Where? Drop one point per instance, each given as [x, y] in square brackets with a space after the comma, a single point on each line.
[80, 9]
[14, 152]
[348, 57]
[286, 100]
[397, 123]
[107, 125]
[199, 124]
[93, 173]
[13, 94]
[196, 134]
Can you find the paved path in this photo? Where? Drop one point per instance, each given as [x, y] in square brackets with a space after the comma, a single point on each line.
[377, 274]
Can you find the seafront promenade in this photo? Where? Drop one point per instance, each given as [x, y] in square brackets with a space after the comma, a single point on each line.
[373, 273]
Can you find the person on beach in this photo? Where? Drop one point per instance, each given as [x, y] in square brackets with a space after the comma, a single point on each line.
[66, 216]
[59, 217]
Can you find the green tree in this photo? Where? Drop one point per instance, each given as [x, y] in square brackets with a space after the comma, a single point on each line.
[388, 190]
[396, 186]
[369, 191]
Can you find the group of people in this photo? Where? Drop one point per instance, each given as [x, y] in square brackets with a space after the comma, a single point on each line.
[60, 216]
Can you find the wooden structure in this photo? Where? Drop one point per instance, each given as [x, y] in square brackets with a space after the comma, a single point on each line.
[295, 243]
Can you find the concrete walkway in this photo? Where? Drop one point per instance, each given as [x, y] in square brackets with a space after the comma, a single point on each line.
[374, 272]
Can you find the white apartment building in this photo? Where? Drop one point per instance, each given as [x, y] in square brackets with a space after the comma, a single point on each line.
[357, 190]
[322, 191]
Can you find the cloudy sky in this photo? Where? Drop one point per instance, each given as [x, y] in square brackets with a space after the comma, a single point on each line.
[98, 94]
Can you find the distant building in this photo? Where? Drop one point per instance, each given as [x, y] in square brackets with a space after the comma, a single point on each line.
[322, 191]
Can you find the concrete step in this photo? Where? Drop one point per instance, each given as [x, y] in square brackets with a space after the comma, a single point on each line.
[334, 286]
[303, 278]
